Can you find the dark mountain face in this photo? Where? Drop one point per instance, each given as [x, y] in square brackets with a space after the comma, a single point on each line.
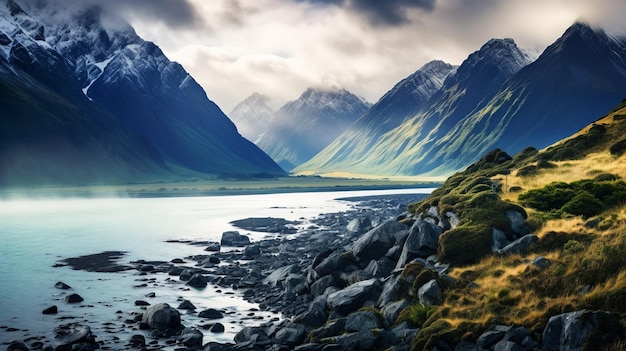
[496, 99]
[137, 117]
[303, 127]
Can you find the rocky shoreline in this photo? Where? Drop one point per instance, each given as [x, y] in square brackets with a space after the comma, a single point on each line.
[254, 271]
[355, 280]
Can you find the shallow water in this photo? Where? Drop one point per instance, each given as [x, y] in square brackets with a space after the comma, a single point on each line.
[36, 234]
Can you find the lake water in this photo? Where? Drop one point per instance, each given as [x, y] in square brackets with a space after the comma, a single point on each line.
[36, 234]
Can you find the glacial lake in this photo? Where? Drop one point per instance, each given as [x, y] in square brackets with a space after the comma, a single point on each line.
[37, 234]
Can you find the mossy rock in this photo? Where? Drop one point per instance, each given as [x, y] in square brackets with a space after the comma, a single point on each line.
[455, 244]
[428, 336]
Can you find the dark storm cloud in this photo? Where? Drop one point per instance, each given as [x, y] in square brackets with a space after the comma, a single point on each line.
[174, 13]
[381, 12]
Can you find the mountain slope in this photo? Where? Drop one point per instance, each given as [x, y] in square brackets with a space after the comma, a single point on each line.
[88, 101]
[403, 100]
[303, 127]
[50, 133]
[252, 116]
[580, 76]
[154, 97]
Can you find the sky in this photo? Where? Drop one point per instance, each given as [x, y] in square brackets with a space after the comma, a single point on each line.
[280, 48]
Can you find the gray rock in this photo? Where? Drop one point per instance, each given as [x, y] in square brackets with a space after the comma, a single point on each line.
[452, 219]
[318, 288]
[375, 243]
[252, 251]
[335, 263]
[570, 331]
[363, 320]
[191, 337]
[213, 247]
[74, 298]
[354, 296]
[519, 245]
[233, 238]
[51, 310]
[211, 313]
[62, 286]
[161, 316]
[380, 268]
[197, 281]
[252, 334]
[489, 338]
[430, 294]
[313, 318]
[217, 328]
[359, 225]
[466, 346]
[17, 346]
[507, 346]
[392, 310]
[518, 222]
[277, 277]
[393, 289]
[186, 305]
[72, 334]
[422, 242]
[137, 340]
[295, 283]
[332, 328]
[499, 240]
[541, 262]
[292, 335]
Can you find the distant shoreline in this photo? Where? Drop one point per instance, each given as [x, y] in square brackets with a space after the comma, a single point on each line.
[212, 188]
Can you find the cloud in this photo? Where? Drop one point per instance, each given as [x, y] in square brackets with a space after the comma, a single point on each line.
[381, 12]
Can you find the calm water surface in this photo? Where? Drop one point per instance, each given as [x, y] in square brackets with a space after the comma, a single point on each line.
[36, 234]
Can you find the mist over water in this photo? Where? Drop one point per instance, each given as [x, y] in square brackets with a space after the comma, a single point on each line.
[36, 234]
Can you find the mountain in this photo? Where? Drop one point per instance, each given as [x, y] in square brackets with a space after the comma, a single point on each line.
[252, 116]
[385, 150]
[303, 127]
[497, 98]
[93, 102]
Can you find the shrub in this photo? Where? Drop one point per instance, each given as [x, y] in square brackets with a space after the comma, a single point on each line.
[515, 189]
[618, 148]
[606, 177]
[416, 314]
[552, 196]
[583, 204]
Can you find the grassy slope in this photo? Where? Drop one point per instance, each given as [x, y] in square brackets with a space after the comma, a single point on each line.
[588, 265]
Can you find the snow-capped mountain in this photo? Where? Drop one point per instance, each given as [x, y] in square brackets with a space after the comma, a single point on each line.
[404, 99]
[303, 127]
[252, 116]
[496, 98]
[95, 65]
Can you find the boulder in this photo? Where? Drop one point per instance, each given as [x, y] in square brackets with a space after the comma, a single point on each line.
[321, 284]
[354, 296]
[213, 247]
[73, 334]
[291, 335]
[186, 305]
[252, 251]
[62, 286]
[518, 222]
[211, 313]
[430, 294]
[217, 328]
[375, 243]
[332, 328]
[359, 225]
[161, 316]
[422, 242]
[334, 263]
[17, 346]
[363, 320]
[197, 281]
[74, 298]
[51, 310]
[541, 262]
[499, 239]
[380, 268]
[392, 310]
[233, 238]
[191, 337]
[137, 340]
[492, 336]
[519, 245]
[571, 331]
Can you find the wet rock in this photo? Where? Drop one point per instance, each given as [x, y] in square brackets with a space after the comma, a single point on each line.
[217, 328]
[252, 251]
[233, 238]
[17, 346]
[213, 247]
[141, 303]
[359, 225]
[62, 286]
[161, 316]
[191, 337]
[137, 340]
[74, 298]
[186, 305]
[51, 310]
[335, 263]
[197, 281]
[291, 335]
[332, 328]
[354, 296]
[211, 313]
[73, 334]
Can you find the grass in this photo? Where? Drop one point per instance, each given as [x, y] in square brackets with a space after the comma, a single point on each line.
[587, 262]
